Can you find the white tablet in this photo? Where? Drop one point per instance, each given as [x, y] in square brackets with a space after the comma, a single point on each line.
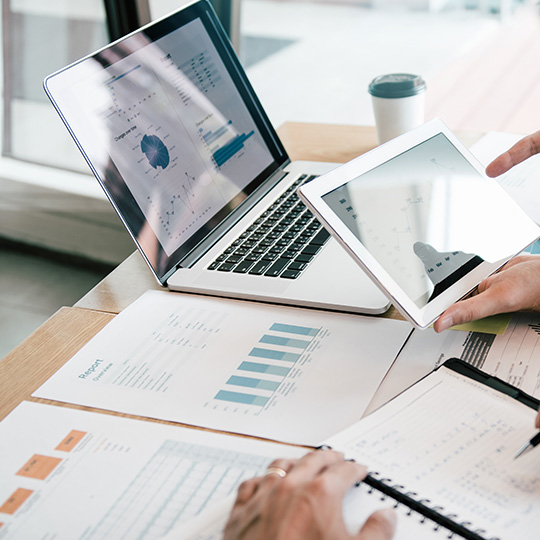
[422, 219]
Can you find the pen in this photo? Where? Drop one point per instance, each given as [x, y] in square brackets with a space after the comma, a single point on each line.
[529, 446]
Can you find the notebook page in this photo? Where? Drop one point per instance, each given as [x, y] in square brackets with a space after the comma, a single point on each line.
[452, 441]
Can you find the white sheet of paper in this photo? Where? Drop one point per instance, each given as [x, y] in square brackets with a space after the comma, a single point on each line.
[452, 441]
[234, 366]
[513, 356]
[522, 182]
[68, 474]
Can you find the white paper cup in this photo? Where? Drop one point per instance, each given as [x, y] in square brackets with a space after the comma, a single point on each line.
[398, 103]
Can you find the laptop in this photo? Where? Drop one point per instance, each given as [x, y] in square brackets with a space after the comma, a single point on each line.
[173, 131]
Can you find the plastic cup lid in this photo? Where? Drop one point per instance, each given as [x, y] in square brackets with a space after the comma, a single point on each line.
[396, 85]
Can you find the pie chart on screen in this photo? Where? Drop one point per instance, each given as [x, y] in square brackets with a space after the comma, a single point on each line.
[155, 151]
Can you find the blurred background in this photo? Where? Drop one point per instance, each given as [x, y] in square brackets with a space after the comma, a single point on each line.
[308, 60]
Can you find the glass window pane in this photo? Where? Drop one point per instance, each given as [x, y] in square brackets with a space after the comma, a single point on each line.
[41, 37]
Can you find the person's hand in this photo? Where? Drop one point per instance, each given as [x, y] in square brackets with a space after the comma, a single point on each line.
[537, 422]
[516, 287]
[303, 500]
[523, 149]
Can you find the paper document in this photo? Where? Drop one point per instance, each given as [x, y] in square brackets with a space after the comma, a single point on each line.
[513, 356]
[69, 474]
[233, 366]
[451, 442]
[522, 182]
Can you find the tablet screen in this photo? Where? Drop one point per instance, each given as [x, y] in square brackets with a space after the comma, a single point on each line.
[417, 214]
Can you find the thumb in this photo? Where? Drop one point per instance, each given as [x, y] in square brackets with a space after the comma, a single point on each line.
[381, 525]
[471, 309]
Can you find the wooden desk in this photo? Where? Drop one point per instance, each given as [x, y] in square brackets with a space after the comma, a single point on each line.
[30, 364]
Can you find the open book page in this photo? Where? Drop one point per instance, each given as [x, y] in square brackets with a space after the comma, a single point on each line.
[236, 366]
[452, 441]
[68, 474]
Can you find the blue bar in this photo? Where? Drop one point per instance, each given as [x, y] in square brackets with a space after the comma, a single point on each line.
[114, 79]
[231, 148]
[274, 355]
[264, 368]
[246, 399]
[211, 136]
[292, 329]
[286, 342]
[248, 382]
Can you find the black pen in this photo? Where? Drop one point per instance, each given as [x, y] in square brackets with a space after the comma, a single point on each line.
[535, 441]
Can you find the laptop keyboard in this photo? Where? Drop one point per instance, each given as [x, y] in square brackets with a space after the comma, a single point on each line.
[281, 242]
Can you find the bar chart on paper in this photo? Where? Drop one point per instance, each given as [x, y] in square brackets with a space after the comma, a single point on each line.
[280, 353]
[234, 366]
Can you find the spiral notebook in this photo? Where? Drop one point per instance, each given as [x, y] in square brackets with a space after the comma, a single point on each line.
[444, 451]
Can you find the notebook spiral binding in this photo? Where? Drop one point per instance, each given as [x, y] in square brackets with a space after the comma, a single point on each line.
[434, 514]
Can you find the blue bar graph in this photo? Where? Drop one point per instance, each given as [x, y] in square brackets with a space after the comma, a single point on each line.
[285, 342]
[293, 329]
[248, 382]
[227, 151]
[264, 368]
[212, 136]
[223, 151]
[263, 359]
[274, 355]
[237, 397]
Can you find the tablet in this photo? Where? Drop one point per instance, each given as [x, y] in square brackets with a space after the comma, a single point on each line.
[422, 219]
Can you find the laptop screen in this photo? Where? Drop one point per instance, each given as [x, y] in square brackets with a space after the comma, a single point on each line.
[172, 129]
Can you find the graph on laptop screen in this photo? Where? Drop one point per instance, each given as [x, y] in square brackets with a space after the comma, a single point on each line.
[176, 128]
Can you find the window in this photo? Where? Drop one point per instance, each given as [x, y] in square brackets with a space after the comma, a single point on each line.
[39, 38]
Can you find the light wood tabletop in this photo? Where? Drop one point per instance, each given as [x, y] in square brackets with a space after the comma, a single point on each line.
[30, 364]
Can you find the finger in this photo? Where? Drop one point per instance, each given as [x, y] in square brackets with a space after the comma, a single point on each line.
[284, 464]
[313, 464]
[525, 148]
[338, 478]
[482, 305]
[537, 422]
[281, 467]
[379, 526]
[246, 490]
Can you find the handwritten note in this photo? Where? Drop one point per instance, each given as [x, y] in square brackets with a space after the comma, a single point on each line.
[451, 441]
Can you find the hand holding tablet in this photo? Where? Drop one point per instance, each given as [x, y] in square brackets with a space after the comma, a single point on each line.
[421, 218]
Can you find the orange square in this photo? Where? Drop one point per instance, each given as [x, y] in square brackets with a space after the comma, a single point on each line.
[71, 441]
[39, 467]
[15, 501]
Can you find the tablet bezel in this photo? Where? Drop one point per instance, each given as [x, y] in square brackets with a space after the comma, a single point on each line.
[421, 317]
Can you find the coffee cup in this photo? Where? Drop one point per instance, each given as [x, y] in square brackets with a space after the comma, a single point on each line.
[398, 103]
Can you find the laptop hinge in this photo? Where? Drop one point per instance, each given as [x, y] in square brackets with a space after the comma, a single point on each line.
[232, 219]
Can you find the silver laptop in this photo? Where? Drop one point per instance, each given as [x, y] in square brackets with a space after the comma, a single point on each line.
[173, 131]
